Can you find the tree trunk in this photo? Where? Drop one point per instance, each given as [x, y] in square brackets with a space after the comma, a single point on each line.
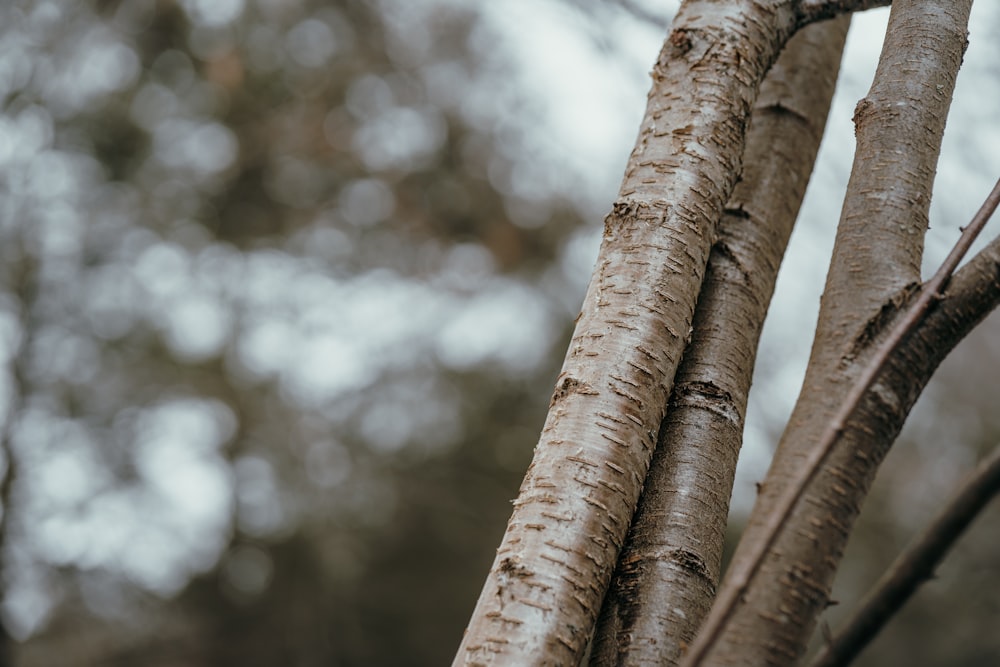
[669, 568]
[545, 588]
[552, 570]
[874, 273]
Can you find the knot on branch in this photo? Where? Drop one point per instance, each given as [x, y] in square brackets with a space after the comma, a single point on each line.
[567, 385]
[709, 396]
[680, 40]
[862, 111]
[879, 323]
[628, 210]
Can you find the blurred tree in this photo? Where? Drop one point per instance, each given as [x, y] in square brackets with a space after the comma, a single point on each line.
[252, 416]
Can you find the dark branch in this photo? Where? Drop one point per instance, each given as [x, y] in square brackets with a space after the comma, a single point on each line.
[914, 566]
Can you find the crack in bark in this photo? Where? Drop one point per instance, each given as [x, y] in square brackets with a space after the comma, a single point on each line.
[691, 562]
[779, 109]
[877, 324]
[721, 249]
[708, 396]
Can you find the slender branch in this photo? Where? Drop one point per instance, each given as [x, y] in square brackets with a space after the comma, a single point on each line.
[914, 566]
[740, 578]
[811, 11]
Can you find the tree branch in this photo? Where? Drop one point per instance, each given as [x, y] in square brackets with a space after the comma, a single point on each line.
[802, 542]
[914, 566]
[542, 595]
[669, 568]
[899, 126]
[932, 292]
[811, 11]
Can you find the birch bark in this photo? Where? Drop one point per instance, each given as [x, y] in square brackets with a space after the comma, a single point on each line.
[765, 615]
[544, 590]
[667, 573]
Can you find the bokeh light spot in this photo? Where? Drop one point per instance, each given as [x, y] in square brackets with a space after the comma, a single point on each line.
[366, 201]
[311, 43]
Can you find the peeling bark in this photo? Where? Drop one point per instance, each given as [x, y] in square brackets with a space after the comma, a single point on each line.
[669, 568]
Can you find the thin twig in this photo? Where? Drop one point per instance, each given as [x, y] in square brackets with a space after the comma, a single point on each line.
[644, 14]
[914, 566]
[811, 11]
[744, 570]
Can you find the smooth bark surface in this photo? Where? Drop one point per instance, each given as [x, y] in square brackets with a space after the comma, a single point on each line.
[899, 126]
[543, 593]
[669, 568]
[873, 275]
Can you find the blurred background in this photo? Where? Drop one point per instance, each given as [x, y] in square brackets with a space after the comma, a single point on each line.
[284, 288]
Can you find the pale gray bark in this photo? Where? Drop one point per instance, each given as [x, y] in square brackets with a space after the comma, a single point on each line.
[667, 573]
[542, 595]
[540, 601]
[768, 607]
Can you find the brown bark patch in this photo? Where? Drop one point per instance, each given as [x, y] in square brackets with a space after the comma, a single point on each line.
[570, 385]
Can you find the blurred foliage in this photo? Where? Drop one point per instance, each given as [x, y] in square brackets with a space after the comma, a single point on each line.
[284, 287]
[266, 398]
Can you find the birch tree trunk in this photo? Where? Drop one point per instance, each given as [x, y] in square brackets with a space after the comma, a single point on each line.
[874, 272]
[669, 568]
[554, 565]
[544, 590]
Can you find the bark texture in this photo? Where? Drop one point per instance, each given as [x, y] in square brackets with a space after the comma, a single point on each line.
[669, 567]
[544, 590]
[874, 272]
[898, 126]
